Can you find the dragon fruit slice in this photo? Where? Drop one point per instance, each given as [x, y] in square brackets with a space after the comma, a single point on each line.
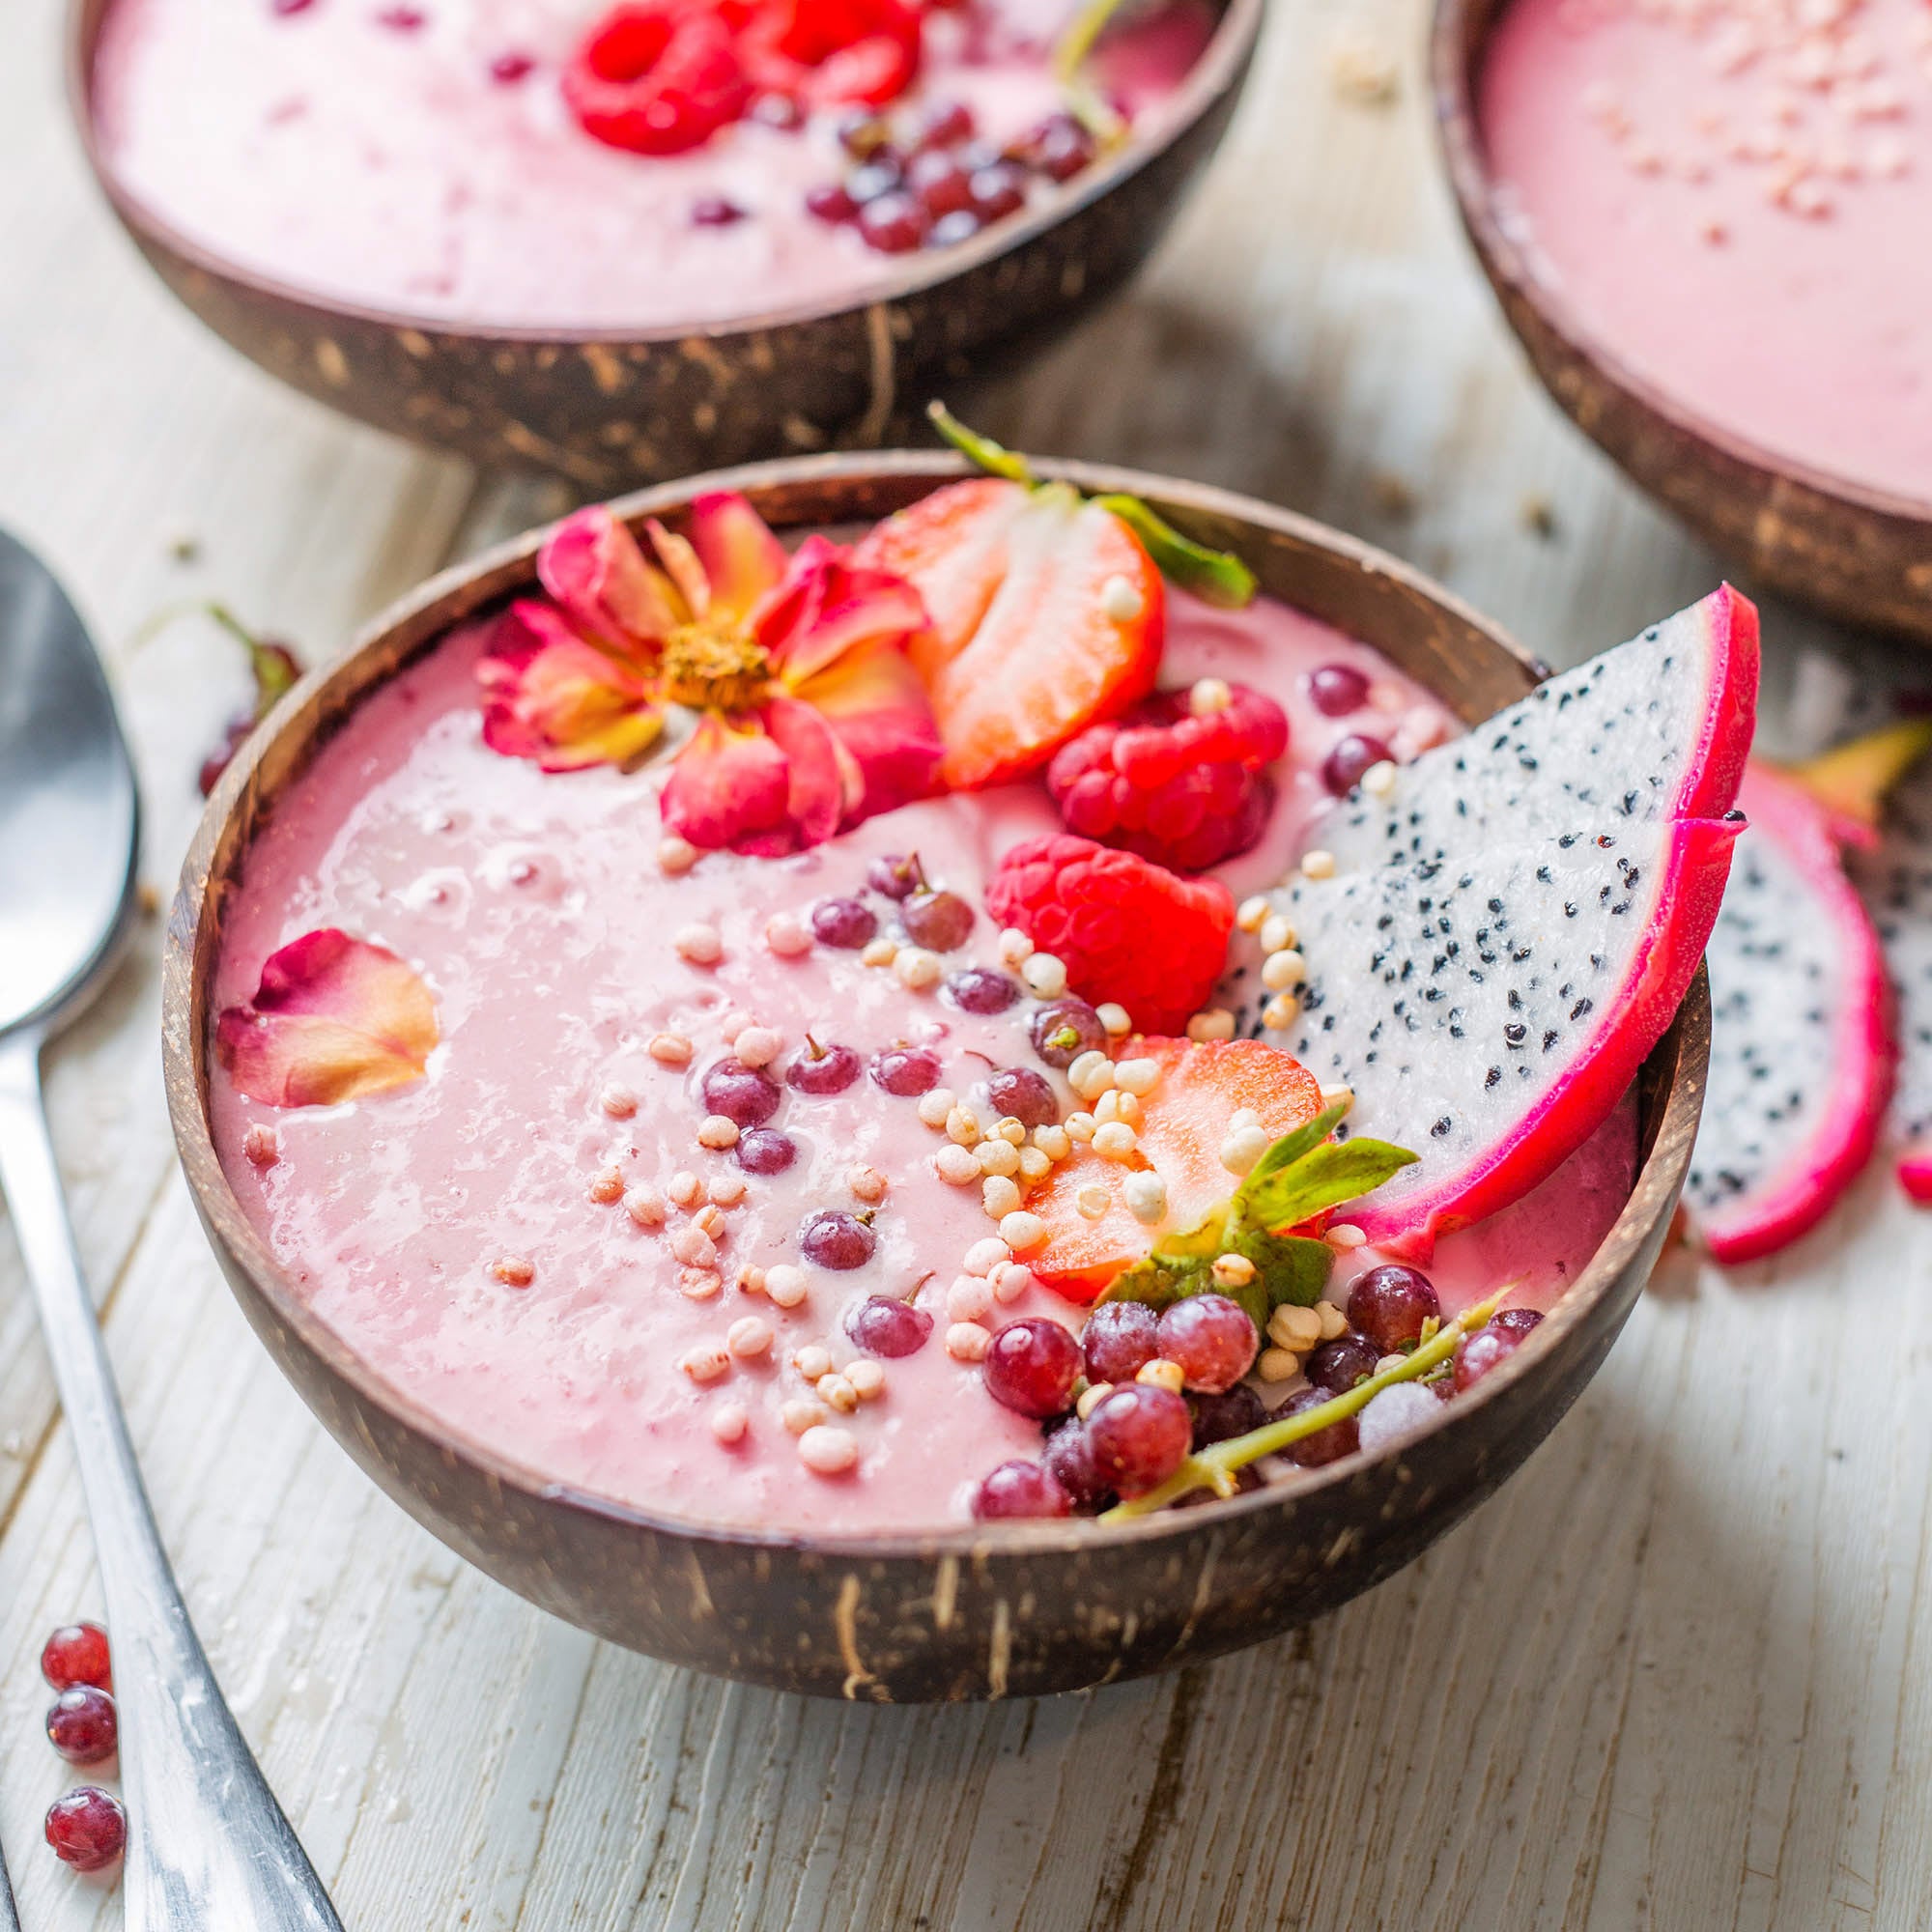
[1490, 1011]
[1511, 930]
[1801, 1047]
[1657, 728]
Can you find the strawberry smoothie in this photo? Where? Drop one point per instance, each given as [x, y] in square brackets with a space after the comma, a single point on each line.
[1726, 196]
[543, 1242]
[422, 160]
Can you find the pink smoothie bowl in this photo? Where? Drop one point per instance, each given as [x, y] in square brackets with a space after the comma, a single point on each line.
[611, 407]
[966, 1611]
[1857, 552]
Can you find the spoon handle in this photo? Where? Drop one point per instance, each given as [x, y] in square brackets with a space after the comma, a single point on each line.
[10, 1917]
[208, 1846]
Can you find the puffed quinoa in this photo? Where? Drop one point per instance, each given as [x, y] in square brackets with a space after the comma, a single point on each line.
[827, 1451]
[917, 969]
[1243, 1147]
[1160, 1372]
[1379, 780]
[1053, 1141]
[962, 1124]
[785, 1285]
[729, 1421]
[1091, 1201]
[684, 1188]
[698, 945]
[802, 1413]
[1114, 1105]
[711, 1218]
[866, 1377]
[1022, 1231]
[675, 855]
[1000, 1197]
[967, 1341]
[751, 1280]
[1138, 1077]
[1243, 1117]
[1045, 975]
[1338, 1095]
[788, 935]
[1114, 1016]
[1276, 1365]
[700, 1284]
[1281, 1012]
[607, 1185]
[759, 1045]
[1207, 695]
[1015, 947]
[880, 951]
[986, 1254]
[956, 1164]
[732, 1024]
[936, 1106]
[1388, 1362]
[748, 1336]
[262, 1147]
[718, 1134]
[726, 1190]
[1115, 1140]
[706, 1362]
[670, 1049]
[1232, 1270]
[1091, 1074]
[836, 1392]
[1345, 1238]
[867, 1184]
[514, 1270]
[1283, 970]
[1119, 600]
[1146, 1196]
[812, 1360]
[1011, 1131]
[1035, 1166]
[693, 1246]
[996, 1156]
[1010, 1281]
[1091, 1399]
[969, 1298]
[1216, 1023]
[1079, 1126]
[1318, 865]
[1251, 911]
[619, 1103]
[1277, 934]
[1334, 1324]
[1293, 1327]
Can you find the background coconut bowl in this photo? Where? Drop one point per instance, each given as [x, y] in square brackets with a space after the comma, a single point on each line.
[1004, 1609]
[1859, 556]
[610, 410]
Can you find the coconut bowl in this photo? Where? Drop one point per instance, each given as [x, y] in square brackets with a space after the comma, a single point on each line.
[1861, 556]
[610, 409]
[974, 1610]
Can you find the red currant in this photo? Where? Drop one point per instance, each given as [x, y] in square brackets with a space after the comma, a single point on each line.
[847, 923]
[893, 224]
[830, 1240]
[906, 1071]
[1062, 1029]
[1343, 768]
[82, 1725]
[1120, 1340]
[1069, 1454]
[1337, 689]
[1212, 1338]
[1389, 1305]
[1219, 1418]
[1325, 1445]
[1140, 1435]
[1337, 1366]
[1021, 1489]
[830, 202]
[883, 1326]
[87, 1829]
[765, 1150]
[1032, 1366]
[822, 1069]
[1487, 1347]
[940, 921]
[1024, 1095]
[78, 1654]
[746, 1094]
[980, 989]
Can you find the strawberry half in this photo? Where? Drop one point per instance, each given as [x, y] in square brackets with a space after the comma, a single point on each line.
[1202, 1085]
[1047, 614]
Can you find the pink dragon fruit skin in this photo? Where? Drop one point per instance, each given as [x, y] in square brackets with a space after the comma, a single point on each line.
[1914, 1173]
[1643, 749]
[1749, 1195]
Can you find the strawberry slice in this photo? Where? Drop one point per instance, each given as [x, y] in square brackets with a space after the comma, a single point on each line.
[1047, 614]
[1202, 1085]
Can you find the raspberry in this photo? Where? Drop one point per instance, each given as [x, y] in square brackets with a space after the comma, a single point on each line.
[1125, 929]
[1183, 790]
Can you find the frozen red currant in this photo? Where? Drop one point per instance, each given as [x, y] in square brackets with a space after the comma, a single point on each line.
[1119, 1340]
[1069, 1454]
[1021, 1489]
[893, 224]
[830, 201]
[1059, 148]
[940, 921]
[998, 190]
[949, 230]
[87, 1829]
[940, 183]
[783, 111]
[895, 875]
[1062, 1029]
[507, 69]
[1390, 1303]
[879, 177]
[1325, 1445]
[82, 1726]
[78, 1654]
[1024, 1095]
[822, 1069]
[847, 923]
[766, 1150]
[906, 1071]
[1212, 1338]
[1517, 1321]
[942, 124]
[831, 1240]
[1220, 1418]
[1343, 768]
[1478, 1353]
[715, 211]
[746, 1094]
[1139, 1434]
[1337, 689]
[884, 1326]
[980, 989]
[1032, 1365]
[1337, 1366]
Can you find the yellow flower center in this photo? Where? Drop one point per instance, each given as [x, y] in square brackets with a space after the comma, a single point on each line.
[711, 669]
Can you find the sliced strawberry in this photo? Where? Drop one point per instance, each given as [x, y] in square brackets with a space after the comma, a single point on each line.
[1202, 1085]
[1047, 614]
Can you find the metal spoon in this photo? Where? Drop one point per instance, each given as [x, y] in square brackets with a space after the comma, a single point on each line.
[10, 1919]
[208, 1847]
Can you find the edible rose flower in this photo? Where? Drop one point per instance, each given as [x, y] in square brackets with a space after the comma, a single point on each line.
[333, 1018]
[810, 716]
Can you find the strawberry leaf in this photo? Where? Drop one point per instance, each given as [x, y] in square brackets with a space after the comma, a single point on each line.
[1323, 1177]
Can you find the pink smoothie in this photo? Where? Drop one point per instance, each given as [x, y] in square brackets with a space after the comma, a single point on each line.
[1732, 199]
[343, 154]
[535, 908]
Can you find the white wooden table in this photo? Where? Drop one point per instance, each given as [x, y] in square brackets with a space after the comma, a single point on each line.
[1675, 1677]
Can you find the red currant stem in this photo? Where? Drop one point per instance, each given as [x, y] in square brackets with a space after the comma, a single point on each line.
[267, 663]
[912, 1294]
[1213, 1469]
[812, 1047]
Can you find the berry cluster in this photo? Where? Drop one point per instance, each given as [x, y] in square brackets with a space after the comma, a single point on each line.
[928, 181]
[1180, 781]
[86, 1827]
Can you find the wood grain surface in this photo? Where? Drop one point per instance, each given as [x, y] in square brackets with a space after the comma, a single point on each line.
[1674, 1677]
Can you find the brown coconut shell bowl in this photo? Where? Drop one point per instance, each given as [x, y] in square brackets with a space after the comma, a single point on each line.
[1861, 555]
[610, 409]
[970, 1610]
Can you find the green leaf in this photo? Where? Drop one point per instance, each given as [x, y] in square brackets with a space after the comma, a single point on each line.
[1216, 577]
[992, 457]
[1335, 1172]
[1287, 1267]
[1161, 1282]
[1293, 1147]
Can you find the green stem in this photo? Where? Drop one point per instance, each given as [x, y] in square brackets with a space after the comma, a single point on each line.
[992, 457]
[1213, 1469]
[1080, 38]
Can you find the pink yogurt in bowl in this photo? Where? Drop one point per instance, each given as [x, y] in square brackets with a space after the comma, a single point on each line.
[507, 1344]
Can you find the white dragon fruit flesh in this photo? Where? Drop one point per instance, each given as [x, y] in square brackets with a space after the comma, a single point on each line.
[1897, 880]
[1511, 930]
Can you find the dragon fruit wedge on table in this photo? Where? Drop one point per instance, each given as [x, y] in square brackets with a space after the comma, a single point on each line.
[1512, 923]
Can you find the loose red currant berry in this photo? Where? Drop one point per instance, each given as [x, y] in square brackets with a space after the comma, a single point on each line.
[894, 224]
[87, 1829]
[1389, 1304]
[1337, 689]
[1032, 1365]
[1019, 1488]
[883, 1326]
[1325, 1445]
[1140, 1435]
[1212, 1338]
[1343, 768]
[1120, 1340]
[82, 1725]
[78, 1654]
